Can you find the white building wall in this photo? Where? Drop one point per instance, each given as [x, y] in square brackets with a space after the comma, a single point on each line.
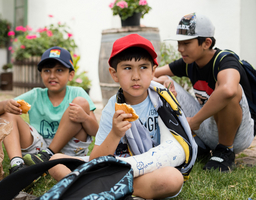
[233, 20]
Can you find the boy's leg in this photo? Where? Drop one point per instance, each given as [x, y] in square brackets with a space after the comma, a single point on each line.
[161, 183]
[19, 138]
[69, 129]
[235, 131]
[60, 171]
[66, 131]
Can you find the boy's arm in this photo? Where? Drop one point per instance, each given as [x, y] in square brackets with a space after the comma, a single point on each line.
[90, 124]
[88, 121]
[161, 73]
[10, 106]
[227, 87]
[109, 145]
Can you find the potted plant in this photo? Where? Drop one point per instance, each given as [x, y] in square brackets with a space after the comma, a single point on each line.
[80, 79]
[130, 11]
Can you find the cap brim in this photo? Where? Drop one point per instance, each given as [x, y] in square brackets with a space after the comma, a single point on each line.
[180, 37]
[40, 64]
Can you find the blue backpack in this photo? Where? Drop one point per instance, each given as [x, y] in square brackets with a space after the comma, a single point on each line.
[250, 72]
[101, 178]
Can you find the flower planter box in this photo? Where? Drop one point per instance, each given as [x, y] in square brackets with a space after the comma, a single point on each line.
[26, 76]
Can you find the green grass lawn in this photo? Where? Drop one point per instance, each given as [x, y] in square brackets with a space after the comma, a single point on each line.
[240, 184]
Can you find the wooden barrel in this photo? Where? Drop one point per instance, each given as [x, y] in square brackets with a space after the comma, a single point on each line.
[26, 76]
[109, 36]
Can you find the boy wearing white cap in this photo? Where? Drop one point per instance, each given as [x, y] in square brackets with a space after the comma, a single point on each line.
[220, 116]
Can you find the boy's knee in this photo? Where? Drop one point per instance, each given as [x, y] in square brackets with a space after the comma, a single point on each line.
[82, 102]
[57, 156]
[169, 181]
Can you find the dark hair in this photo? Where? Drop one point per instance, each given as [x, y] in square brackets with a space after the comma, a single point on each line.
[51, 63]
[128, 54]
[202, 39]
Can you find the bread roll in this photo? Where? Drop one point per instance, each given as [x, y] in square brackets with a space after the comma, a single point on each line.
[24, 106]
[127, 109]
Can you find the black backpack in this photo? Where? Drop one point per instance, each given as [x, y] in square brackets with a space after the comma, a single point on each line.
[250, 72]
[101, 178]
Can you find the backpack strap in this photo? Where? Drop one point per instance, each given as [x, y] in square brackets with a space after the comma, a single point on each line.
[222, 54]
[10, 186]
[189, 70]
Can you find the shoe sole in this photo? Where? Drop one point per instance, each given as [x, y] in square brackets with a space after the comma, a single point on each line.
[29, 160]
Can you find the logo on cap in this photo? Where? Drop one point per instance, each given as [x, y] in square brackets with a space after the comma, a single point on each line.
[187, 25]
[54, 53]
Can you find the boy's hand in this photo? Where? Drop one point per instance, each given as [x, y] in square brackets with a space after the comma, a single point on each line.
[76, 113]
[193, 126]
[170, 86]
[11, 106]
[119, 126]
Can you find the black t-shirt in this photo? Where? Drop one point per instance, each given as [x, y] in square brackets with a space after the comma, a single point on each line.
[203, 79]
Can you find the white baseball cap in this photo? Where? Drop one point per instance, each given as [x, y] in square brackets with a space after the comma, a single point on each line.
[192, 26]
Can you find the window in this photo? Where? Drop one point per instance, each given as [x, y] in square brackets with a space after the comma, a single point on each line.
[20, 13]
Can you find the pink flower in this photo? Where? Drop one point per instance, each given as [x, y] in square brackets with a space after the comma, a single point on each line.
[122, 4]
[70, 35]
[10, 48]
[29, 37]
[49, 33]
[40, 30]
[20, 28]
[111, 5]
[79, 80]
[50, 15]
[74, 55]
[22, 46]
[10, 33]
[143, 2]
[29, 28]
[12, 51]
[15, 40]
[59, 23]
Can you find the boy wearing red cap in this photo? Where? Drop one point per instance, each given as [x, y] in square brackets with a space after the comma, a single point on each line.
[132, 65]
[61, 117]
[219, 115]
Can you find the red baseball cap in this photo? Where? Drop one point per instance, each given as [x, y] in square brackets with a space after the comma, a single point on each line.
[133, 40]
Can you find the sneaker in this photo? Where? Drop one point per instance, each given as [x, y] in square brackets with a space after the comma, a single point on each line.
[222, 158]
[16, 168]
[32, 159]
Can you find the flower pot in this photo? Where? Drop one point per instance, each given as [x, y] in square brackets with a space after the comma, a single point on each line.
[134, 20]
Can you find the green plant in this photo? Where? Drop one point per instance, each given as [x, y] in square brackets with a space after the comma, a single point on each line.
[169, 54]
[7, 66]
[4, 29]
[126, 8]
[80, 79]
[29, 43]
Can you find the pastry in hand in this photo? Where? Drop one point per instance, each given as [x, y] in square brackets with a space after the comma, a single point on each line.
[127, 109]
[24, 106]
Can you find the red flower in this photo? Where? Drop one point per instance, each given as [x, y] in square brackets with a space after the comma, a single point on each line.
[70, 35]
[10, 33]
[20, 28]
[49, 33]
[22, 46]
[29, 37]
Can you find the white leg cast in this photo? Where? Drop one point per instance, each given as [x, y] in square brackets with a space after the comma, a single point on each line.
[168, 153]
